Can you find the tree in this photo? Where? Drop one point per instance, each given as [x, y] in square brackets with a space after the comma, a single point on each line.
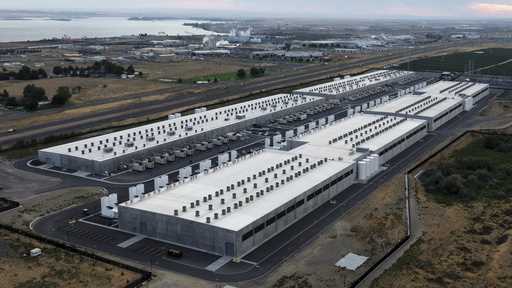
[41, 74]
[11, 101]
[30, 104]
[31, 97]
[241, 74]
[25, 73]
[62, 96]
[130, 70]
[256, 72]
[57, 70]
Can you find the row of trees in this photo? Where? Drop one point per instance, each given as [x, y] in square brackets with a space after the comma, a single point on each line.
[25, 73]
[33, 95]
[103, 68]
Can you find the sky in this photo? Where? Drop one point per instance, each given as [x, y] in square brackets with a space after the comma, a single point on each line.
[306, 8]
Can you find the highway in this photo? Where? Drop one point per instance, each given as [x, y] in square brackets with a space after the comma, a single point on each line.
[187, 98]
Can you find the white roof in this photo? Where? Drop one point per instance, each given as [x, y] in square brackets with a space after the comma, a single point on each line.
[431, 101]
[398, 103]
[183, 194]
[356, 82]
[441, 107]
[380, 141]
[93, 148]
[368, 131]
[474, 89]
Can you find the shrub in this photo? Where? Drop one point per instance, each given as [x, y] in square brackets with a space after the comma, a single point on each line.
[62, 96]
[241, 74]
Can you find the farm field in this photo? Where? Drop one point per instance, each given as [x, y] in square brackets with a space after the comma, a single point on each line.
[492, 61]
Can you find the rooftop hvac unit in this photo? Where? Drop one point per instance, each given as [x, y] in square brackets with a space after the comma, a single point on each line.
[108, 149]
[150, 138]
[129, 144]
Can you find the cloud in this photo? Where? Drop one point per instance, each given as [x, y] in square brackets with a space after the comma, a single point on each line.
[491, 8]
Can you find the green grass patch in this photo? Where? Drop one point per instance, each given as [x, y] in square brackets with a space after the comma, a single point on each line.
[480, 170]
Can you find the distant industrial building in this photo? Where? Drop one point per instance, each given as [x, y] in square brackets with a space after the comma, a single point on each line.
[295, 56]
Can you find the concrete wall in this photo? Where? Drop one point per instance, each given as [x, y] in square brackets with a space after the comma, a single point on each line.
[181, 231]
[388, 155]
[436, 123]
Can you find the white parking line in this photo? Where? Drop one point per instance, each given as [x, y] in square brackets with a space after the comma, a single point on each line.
[131, 241]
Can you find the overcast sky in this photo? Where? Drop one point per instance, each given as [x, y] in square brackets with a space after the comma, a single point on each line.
[309, 8]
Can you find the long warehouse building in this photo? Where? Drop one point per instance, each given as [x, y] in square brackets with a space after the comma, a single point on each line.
[107, 153]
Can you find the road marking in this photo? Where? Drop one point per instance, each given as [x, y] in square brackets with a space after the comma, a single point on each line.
[131, 241]
[248, 262]
[217, 264]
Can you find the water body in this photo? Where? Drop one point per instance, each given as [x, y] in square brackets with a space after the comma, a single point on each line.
[44, 28]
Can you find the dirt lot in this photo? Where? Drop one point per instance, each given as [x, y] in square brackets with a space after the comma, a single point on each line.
[463, 245]
[54, 268]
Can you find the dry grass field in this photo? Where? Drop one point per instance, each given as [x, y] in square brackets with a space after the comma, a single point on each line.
[90, 88]
[55, 268]
[464, 244]
[188, 69]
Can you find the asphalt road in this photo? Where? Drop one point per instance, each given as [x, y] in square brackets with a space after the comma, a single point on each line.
[267, 256]
[188, 98]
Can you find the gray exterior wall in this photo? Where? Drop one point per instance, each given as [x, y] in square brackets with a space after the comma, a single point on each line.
[99, 167]
[177, 230]
[211, 238]
[388, 155]
[441, 121]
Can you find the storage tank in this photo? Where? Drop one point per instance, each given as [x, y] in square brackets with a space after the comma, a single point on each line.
[361, 170]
